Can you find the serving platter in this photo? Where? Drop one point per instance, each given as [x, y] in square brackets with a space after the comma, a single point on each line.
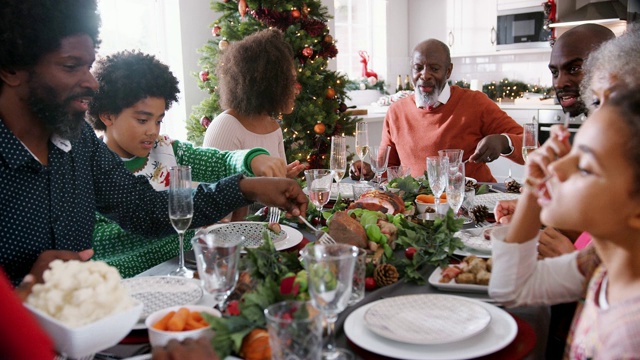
[500, 332]
[436, 275]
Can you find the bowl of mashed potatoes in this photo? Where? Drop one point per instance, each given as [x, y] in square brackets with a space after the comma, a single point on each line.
[83, 307]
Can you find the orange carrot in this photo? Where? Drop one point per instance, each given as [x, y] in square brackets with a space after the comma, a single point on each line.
[424, 198]
[178, 321]
[162, 323]
[195, 315]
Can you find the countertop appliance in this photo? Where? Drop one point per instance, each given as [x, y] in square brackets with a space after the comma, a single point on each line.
[522, 28]
[547, 118]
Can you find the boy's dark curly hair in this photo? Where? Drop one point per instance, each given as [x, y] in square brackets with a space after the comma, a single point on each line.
[256, 74]
[30, 29]
[127, 77]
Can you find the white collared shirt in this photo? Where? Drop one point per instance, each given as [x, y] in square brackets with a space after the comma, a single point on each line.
[442, 98]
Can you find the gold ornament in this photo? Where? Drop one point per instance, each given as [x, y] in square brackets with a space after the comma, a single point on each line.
[330, 93]
[319, 128]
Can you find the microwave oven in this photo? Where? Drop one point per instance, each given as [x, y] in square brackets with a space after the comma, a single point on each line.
[522, 28]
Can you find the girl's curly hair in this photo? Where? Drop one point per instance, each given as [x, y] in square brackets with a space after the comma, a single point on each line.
[256, 74]
[127, 77]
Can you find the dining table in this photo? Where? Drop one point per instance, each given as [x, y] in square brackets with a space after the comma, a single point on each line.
[529, 342]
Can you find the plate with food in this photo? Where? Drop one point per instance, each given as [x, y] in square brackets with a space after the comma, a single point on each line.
[253, 231]
[471, 275]
[478, 239]
[159, 292]
[491, 199]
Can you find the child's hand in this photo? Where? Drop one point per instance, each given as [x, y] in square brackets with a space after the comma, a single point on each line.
[265, 165]
[504, 210]
[537, 166]
[280, 192]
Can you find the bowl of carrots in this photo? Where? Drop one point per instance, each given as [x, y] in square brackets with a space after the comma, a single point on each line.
[180, 323]
[426, 204]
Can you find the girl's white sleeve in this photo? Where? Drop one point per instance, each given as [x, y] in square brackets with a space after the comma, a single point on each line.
[519, 278]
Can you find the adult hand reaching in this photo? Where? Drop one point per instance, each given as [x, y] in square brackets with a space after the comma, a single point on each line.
[294, 169]
[490, 148]
[357, 166]
[285, 194]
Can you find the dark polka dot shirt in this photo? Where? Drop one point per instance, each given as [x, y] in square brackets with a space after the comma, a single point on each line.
[53, 207]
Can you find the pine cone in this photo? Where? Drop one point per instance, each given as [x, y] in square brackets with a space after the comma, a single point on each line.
[479, 213]
[385, 274]
[513, 186]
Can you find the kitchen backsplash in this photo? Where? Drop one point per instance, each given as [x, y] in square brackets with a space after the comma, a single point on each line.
[530, 68]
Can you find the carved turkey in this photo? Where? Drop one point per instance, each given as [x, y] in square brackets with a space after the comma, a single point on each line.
[376, 200]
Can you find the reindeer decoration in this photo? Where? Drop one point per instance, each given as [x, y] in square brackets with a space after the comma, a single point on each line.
[364, 59]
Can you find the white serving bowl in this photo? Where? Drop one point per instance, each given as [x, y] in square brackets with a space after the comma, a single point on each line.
[77, 342]
[161, 338]
[422, 207]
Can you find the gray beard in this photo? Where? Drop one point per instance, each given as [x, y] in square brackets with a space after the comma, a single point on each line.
[430, 99]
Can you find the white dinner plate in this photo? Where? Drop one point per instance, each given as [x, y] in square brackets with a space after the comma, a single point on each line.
[500, 332]
[426, 319]
[252, 231]
[474, 240]
[159, 292]
[491, 199]
[436, 275]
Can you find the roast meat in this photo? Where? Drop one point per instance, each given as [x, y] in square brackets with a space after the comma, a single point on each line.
[347, 230]
[376, 200]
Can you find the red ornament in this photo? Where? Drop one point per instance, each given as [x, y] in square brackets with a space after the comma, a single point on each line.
[298, 87]
[205, 121]
[216, 30]
[295, 13]
[242, 8]
[319, 128]
[204, 75]
[331, 93]
[328, 38]
[307, 51]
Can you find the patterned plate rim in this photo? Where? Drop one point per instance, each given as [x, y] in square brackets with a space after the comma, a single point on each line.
[161, 288]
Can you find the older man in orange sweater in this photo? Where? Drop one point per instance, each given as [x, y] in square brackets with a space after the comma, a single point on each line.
[438, 116]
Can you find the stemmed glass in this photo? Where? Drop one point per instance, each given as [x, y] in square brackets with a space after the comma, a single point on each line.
[529, 139]
[338, 161]
[217, 256]
[379, 160]
[180, 210]
[453, 155]
[330, 276]
[456, 183]
[437, 167]
[319, 186]
[362, 144]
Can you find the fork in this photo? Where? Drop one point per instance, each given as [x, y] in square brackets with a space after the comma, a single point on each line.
[322, 237]
[274, 215]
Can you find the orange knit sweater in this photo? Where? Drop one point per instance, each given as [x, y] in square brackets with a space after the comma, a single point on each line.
[461, 123]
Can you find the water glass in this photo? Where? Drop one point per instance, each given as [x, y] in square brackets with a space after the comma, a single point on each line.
[529, 139]
[359, 189]
[379, 160]
[453, 155]
[295, 330]
[359, 274]
[217, 256]
[400, 171]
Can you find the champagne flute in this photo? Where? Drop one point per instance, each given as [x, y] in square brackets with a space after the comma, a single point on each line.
[379, 160]
[217, 256]
[180, 210]
[456, 183]
[338, 160]
[319, 186]
[330, 276]
[529, 139]
[362, 144]
[437, 167]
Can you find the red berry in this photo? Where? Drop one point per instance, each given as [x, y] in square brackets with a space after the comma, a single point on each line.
[370, 283]
[232, 308]
[408, 252]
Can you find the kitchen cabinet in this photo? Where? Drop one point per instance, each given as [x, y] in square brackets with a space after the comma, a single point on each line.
[471, 27]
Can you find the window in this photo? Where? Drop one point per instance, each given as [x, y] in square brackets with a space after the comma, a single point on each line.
[353, 24]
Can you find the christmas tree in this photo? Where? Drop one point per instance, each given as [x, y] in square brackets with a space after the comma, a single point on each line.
[320, 110]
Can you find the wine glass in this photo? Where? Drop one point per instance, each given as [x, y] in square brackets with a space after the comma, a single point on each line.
[529, 139]
[453, 155]
[338, 161]
[379, 158]
[319, 186]
[437, 167]
[180, 210]
[217, 256]
[330, 276]
[362, 144]
[456, 183]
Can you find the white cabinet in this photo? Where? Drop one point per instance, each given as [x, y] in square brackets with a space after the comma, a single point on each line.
[471, 27]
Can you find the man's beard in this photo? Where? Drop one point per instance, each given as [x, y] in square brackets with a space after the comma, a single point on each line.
[53, 113]
[430, 99]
